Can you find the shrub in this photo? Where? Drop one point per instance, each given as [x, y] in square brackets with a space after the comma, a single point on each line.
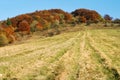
[11, 38]
[34, 23]
[117, 21]
[88, 23]
[105, 25]
[50, 34]
[44, 23]
[33, 26]
[3, 40]
[39, 27]
[55, 24]
[62, 21]
[32, 29]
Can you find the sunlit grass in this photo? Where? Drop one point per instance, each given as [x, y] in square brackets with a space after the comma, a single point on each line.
[81, 55]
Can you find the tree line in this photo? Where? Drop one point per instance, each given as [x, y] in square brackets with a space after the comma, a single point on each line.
[24, 24]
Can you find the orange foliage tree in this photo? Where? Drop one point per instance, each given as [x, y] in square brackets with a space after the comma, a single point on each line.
[9, 32]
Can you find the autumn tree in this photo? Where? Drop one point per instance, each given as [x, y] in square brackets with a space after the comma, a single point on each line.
[90, 15]
[107, 18]
[24, 17]
[16, 20]
[39, 27]
[24, 26]
[59, 11]
[9, 32]
[82, 19]
[3, 40]
[67, 16]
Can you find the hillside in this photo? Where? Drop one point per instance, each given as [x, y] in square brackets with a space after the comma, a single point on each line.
[13, 29]
[81, 55]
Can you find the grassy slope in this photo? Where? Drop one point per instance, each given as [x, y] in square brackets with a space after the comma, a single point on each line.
[81, 55]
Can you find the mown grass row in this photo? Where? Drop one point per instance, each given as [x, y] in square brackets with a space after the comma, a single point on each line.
[17, 63]
[102, 57]
[51, 69]
[82, 55]
[110, 45]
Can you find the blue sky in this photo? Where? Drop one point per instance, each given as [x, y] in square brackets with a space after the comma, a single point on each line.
[11, 8]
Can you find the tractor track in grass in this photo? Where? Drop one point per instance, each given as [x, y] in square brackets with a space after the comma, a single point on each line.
[52, 61]
[103, 43]
[106, 63]
[77, 64]
[78, 55]
[46, 56]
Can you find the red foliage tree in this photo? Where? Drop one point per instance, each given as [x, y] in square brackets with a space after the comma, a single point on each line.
[59, 11]
[24, 17]
[56, 16]
[90, 15]
[67, 16]
[82, 19]
[16, 20]
[24, 26]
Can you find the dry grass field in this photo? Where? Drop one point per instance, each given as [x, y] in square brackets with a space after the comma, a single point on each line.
[80, 55]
